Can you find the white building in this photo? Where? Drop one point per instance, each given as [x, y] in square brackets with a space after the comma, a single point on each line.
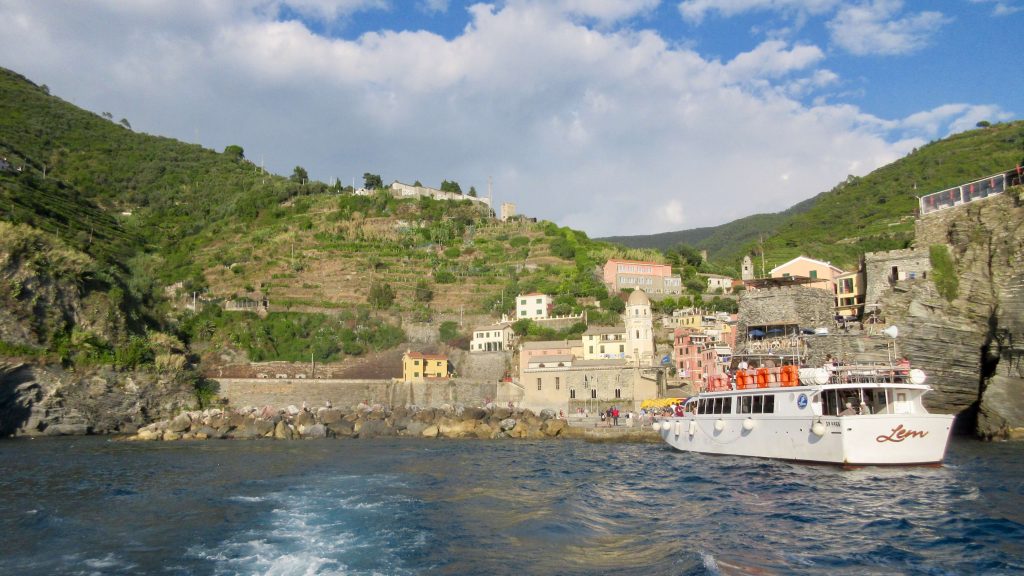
[533, 306]
[494, 338]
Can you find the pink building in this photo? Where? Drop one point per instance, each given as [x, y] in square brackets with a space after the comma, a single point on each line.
[528, 351]
[652, 277]
[699, 355]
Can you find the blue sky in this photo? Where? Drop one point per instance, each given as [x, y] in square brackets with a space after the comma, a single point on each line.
[610, 116]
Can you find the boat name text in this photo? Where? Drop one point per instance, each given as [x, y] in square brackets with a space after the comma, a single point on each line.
[899, 434]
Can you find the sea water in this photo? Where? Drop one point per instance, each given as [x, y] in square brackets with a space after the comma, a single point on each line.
[403, 506]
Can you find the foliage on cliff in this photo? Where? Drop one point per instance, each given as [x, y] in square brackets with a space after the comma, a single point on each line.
[944, 272]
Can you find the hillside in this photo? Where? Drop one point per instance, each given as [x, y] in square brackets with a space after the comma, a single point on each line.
[871, 213]
[158, 221]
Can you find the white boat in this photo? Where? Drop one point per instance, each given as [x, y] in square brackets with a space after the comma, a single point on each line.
[853, 416]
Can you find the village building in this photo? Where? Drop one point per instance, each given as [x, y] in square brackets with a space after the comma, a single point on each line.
[400, 190]
[533, 306]
[820, 274]
[850, 293]
[508, 210]
[577, 376]
[493, 338]
[718, 282]
[604, 342]
[651, 277]
[419, 367]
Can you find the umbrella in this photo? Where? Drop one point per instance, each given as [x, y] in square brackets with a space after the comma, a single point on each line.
[756, 333]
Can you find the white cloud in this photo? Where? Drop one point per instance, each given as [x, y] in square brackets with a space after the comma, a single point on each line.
[876, 27]
[609, 131]
[605, 11]
[1002, 7]
[695, 10]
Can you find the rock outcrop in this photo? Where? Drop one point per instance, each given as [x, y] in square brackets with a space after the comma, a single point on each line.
[972, 345]
[36, 400]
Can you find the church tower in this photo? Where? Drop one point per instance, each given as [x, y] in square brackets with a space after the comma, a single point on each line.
[639, 329]
[747, 269]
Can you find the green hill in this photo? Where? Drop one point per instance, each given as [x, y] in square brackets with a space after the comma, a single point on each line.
[865, 214]
[159, 219]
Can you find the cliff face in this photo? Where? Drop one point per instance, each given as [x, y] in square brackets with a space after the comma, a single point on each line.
[973, 345]
[46, 400]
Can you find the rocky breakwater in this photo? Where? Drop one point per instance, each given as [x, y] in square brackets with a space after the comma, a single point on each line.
[359, 422]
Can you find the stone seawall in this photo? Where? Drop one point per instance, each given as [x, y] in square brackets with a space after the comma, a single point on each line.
[285, 392]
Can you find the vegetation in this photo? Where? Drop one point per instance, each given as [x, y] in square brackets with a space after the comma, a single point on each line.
[944, 272]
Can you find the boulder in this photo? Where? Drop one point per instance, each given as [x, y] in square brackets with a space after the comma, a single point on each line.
[430, 431]
[508, 424]
[148, 435]
[316, 431]
[473, 413]
[282, 431]
[450, 428]
[342, 428]
[483, 431]
[264, 427]
[245, 432]
[180, 423]
[374, 428]
[553, 427]
[206, 432]
[329, 416]
[415, 428]
[304, 419]
[548, 414]
[502, 413]
[170, 436]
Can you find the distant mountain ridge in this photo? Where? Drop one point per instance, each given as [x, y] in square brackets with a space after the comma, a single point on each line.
[858, 215]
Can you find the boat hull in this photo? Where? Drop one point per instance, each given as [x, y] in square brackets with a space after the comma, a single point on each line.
[883, 439]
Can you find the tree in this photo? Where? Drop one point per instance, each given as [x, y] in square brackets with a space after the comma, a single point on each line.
[372, 181]
[472, 191]
[983, 124]
[381, 295]
[452, 186]
[418, 184]
[235, 152]
[299, 175]
[449, 330]
[423, 291]
[124, 122]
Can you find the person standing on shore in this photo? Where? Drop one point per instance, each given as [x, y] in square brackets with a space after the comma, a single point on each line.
[615, 416]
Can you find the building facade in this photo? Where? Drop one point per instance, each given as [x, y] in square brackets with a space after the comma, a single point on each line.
[494, 338]
[419, 367]
[533, 306]
[651, 277]
[822, 274]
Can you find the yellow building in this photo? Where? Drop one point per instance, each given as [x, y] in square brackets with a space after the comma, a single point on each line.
[419, 367]
[850, 289]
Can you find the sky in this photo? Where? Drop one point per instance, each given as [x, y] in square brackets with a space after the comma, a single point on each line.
[615, 117]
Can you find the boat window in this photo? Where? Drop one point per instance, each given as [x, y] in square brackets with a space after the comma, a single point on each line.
[758, 401]
[702, 408]
[769, 404]
[744, 404]
[718, 406]
[727, 406]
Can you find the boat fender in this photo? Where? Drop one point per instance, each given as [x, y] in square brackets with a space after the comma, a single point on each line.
[820, 376]
[679, 428]
[693, 427]
[917, 376]
[656, 426]
[818, 429]
[748, 424]
[719, 425]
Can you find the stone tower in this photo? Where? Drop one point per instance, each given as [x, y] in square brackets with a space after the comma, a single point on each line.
[747, 269]
[639, 329]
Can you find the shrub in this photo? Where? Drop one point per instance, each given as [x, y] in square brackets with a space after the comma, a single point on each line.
[449, 330]
[944, 272]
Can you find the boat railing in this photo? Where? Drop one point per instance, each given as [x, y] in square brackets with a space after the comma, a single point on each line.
[868, 373]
